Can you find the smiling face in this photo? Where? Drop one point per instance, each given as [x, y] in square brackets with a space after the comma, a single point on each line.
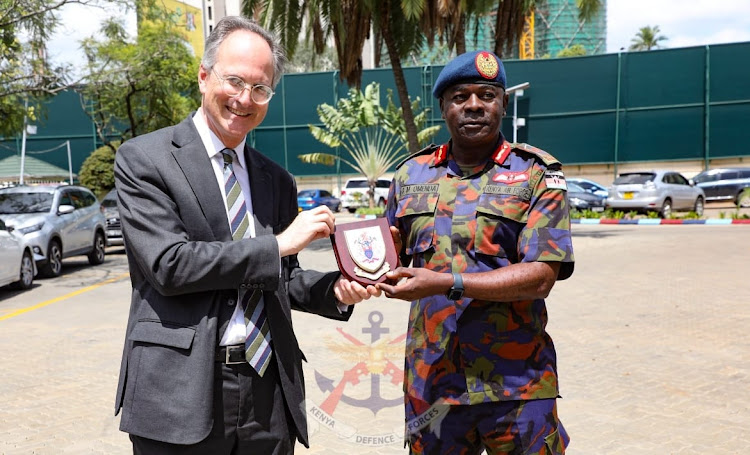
[245, 55]
[473, 114]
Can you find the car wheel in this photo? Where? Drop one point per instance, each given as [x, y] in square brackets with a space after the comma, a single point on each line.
[743, 199]
[96, 256]
[352, 209]
[53, 267]
[337, 208]
[666, 208]
[381, 203]
[27, 272]
[698, 208]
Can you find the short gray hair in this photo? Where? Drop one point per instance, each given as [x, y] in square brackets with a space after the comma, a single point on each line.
[229, 24]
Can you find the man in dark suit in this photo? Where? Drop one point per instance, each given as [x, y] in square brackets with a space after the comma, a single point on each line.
[191, 381]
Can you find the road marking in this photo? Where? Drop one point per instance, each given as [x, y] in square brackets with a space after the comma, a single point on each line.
[63, 297]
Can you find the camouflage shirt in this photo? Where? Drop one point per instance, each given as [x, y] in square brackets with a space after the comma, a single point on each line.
[511, 210]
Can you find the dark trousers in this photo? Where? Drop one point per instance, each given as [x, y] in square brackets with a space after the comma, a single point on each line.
[249, 417]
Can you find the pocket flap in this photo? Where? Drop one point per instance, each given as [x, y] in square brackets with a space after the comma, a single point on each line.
[417, 204]
[507, 206]
[166, 335]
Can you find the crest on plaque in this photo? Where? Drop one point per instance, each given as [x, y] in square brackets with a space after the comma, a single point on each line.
[366, 247]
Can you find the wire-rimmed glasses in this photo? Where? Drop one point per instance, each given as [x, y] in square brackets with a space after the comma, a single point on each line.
[234, 86]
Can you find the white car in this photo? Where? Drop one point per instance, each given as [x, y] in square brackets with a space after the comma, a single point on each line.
[17, 267]
[354, 193]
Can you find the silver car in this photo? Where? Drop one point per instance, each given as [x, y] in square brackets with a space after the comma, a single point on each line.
[17, 267]
[112, 215]
[57, 221]
[655, 191]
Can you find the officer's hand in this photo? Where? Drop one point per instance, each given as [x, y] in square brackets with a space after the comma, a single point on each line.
[309, 225]
[351, 292]
[415, 283]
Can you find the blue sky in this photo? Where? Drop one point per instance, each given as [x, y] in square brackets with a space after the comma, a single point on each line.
[683, 22]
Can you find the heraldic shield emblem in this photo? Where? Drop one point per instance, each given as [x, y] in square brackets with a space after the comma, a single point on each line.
[364, 250]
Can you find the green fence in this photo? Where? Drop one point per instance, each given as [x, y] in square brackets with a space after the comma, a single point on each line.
[676, 104]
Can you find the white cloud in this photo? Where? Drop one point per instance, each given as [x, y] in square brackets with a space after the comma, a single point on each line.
[683, 22]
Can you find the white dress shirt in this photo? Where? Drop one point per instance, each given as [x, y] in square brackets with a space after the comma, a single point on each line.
[236, 330]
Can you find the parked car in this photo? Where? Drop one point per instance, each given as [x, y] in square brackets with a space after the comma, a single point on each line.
[17, 267]
[112, 218]
[589, 186]
[309, 199]
[57, 221]
[726, 184]
[655, 191]
[354, 193]
[580, 199]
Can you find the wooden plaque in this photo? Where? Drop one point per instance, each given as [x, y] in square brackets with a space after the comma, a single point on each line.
[364, 250]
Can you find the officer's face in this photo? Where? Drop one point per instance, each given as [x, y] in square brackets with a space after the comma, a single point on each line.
[473, 113]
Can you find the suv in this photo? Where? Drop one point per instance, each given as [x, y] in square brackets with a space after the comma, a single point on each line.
[57, 221]
[354, 194]
[726, 184]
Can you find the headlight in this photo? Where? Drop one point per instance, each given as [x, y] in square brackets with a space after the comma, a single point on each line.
[32, 228]
[577, 201]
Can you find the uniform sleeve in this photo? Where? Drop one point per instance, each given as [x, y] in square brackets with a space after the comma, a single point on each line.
[546, 236]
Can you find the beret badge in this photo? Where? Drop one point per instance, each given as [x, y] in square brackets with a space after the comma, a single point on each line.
[486, 65]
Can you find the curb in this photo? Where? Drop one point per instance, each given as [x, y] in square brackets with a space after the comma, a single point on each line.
[656, 221]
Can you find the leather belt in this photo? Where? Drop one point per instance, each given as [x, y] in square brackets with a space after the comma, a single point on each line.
[231, 355]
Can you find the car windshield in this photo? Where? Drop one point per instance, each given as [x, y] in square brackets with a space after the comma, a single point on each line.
[306, 193]
[357, 184]
[573, 187]
[25, 202]
[109, 203]
[639, 178]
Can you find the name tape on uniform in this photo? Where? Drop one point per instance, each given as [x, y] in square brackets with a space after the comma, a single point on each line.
[419, 189]
[520, 191]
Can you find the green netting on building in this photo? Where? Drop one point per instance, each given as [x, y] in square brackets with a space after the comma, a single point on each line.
[556, 27]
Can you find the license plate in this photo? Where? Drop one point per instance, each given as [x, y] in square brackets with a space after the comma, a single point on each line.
[627, 195]
[597, 209]
[113, 233]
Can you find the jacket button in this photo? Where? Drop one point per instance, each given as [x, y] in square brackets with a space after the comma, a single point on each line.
[230, 302]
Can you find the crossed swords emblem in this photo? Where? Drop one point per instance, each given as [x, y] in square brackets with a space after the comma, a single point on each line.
[372, 359]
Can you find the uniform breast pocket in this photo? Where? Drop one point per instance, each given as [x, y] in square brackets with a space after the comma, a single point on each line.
[500, 218]
[416, 214]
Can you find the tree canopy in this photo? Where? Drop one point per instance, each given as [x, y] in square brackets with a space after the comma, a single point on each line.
[135, 86]
[647, 38]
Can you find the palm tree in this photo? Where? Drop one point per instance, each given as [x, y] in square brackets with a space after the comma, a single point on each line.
[647, 38]
[373, 138]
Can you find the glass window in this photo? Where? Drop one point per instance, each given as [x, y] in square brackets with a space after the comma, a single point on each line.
[383, 184]
[728, 175]
[324, 193]
[25, 202]
[745, 173]
[637, 178]
[679, 179]
[306, 193]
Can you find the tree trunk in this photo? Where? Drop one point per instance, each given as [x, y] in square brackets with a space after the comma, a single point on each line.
[461, 35]
[398, 76]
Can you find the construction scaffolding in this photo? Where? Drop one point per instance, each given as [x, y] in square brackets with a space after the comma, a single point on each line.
[557, 27]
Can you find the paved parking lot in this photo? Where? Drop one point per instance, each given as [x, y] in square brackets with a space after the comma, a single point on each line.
[651, 333]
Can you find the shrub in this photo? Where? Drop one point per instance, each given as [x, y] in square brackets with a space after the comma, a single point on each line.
[98, 170]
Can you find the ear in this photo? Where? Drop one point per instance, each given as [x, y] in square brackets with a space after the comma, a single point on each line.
[203, 78]
[440, 100]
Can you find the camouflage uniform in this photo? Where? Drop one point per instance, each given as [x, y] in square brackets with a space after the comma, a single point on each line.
[511, 210]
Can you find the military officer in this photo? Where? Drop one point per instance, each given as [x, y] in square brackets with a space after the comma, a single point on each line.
[485, 226]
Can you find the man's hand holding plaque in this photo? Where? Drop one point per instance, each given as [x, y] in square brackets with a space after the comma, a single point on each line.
[364, 250]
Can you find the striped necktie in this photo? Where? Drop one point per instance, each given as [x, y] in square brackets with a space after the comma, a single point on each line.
[258, 335]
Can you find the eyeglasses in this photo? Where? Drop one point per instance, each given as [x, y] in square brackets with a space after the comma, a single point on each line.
[234, 86]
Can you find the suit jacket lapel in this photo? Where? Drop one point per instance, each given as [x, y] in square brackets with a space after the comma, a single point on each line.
[192, 158]
[264, 199]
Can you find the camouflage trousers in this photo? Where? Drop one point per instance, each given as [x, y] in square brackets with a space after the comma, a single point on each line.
[501, 428]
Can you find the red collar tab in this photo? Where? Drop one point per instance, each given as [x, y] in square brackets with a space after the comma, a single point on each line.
[501, 154]
[440, 155]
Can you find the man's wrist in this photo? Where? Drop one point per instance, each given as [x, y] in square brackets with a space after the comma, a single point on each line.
[456, 292]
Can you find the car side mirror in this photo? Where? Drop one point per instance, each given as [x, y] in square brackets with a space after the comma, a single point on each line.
[10, 228]
[691, 182]
[65, 209]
